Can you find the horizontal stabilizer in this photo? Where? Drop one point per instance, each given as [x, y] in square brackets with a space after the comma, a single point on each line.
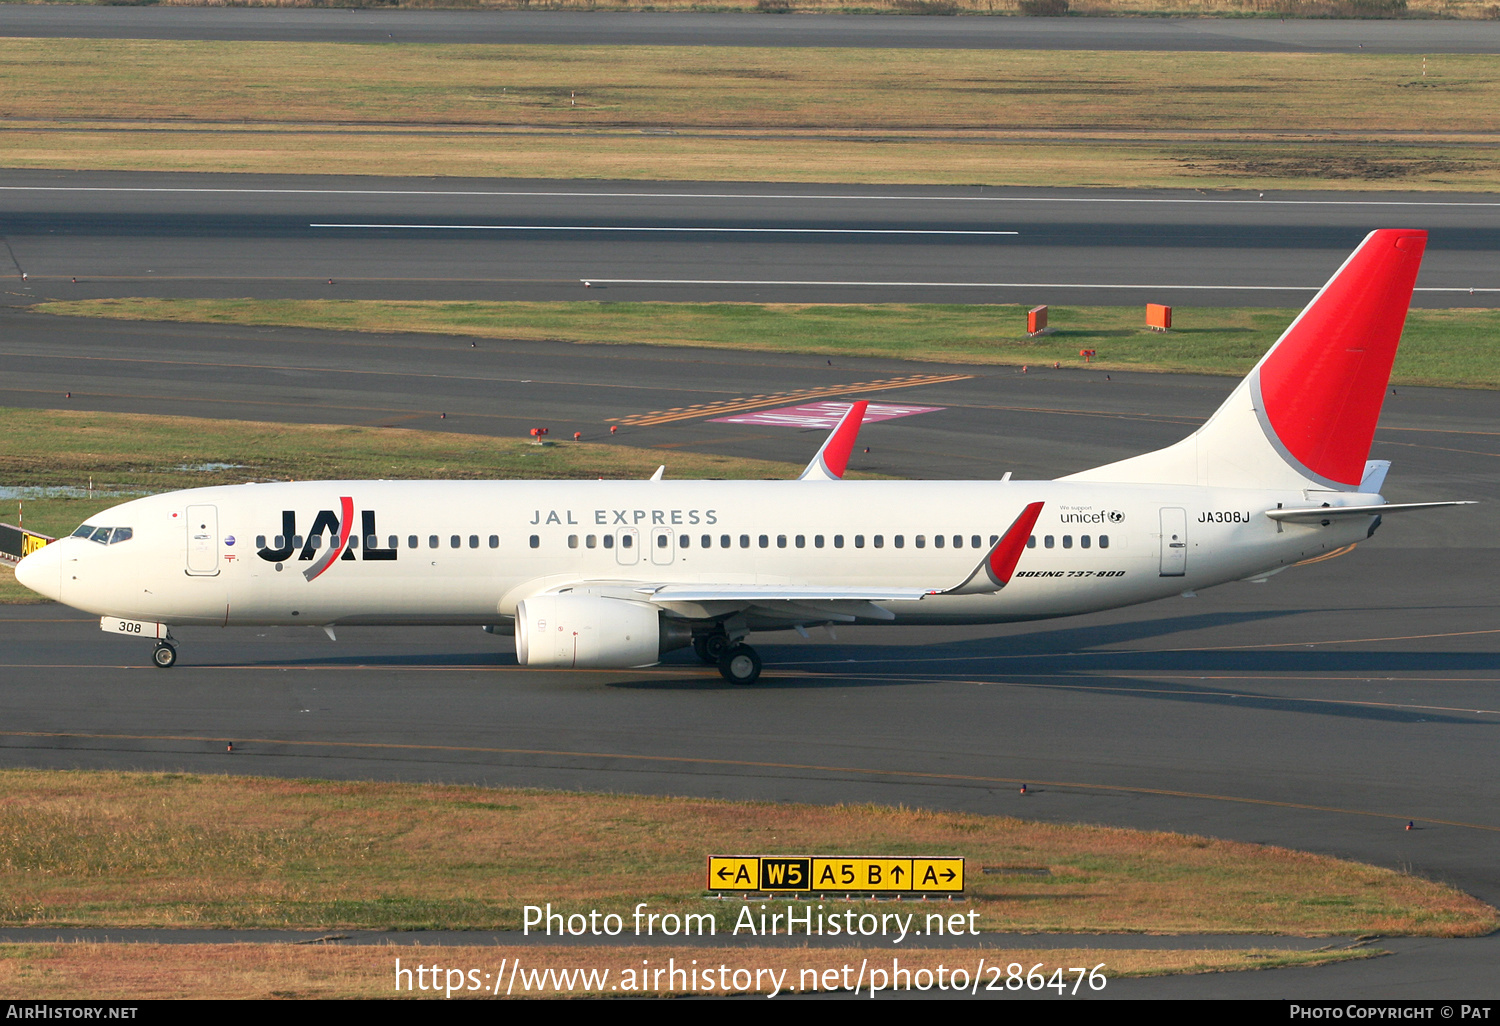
[1318, 514]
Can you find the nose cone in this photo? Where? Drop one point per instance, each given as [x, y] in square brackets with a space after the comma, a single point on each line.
[42, 572]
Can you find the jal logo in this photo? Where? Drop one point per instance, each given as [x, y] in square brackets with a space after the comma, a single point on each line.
[337, 525]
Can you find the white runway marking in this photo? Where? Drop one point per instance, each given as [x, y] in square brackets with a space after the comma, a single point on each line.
[989, 285]
[641, 228]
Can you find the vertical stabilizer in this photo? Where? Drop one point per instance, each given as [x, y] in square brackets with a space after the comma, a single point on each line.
[1306, 414]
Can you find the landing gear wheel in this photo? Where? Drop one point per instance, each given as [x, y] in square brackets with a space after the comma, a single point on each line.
[740, 665]
[711, 647]
[165, 656]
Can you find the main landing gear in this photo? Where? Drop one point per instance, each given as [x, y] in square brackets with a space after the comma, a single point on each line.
[737, 662]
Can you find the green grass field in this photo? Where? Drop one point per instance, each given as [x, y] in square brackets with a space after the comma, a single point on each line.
[1456, 347]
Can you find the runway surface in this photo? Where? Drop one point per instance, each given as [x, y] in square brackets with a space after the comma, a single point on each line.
[123, 234]
[663, 29]
[1322, 710]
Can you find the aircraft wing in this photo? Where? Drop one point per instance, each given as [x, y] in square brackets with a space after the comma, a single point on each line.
[833, 458]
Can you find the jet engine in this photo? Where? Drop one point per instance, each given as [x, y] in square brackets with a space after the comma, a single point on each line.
[587, 631]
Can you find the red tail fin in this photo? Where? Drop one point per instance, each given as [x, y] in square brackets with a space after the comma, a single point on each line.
[1322, 386]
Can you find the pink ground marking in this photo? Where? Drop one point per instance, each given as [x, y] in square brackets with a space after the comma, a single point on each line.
[821, 415]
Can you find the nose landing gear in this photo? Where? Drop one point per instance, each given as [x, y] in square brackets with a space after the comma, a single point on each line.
[165, 656]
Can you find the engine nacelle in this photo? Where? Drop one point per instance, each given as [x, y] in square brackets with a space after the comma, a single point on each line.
[586, 631]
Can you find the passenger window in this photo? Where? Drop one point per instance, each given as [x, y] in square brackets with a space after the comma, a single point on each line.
[900, 541]
[609, 541]
[591, 541]
[411, 541]
[572, 541]
[1104, 541]
[296, 541]
[801, 541]
[353, 541]
[474, 541]
[432, 541]
[879, 540]
[661, 541]
[706, 542]
[1083, 542]
[392, 542]
[1031, 542]
[121, 534]
[536, 541]
[744, 541]
[316, 541]
[994, 538]
[958, 541]
[838, 541]
[685, 541]
[453, 541]
[920, 541]
[937, 541]
[495, 541]
[626, 541]
[1048, 541]
[1067, 541]
[781, 541]
[281, 541]
[260, 541]
[974, 542]
[817, 541]
[723, 541]
[859, 541]
[765, 541]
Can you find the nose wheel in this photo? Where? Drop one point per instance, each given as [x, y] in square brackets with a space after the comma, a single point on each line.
[740, 665]
[165, 656]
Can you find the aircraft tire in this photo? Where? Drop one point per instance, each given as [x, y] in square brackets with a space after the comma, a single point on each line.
[711, 647]
[740, 665]
[165, 656]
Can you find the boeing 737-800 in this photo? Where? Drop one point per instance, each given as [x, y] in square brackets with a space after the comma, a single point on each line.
[613, 574]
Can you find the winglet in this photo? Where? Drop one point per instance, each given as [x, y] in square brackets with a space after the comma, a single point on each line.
[995, 569]
[833, 459]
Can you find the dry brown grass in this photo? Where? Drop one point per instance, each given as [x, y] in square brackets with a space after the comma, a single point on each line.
[119, 849]
[725, 113]
[129, 972]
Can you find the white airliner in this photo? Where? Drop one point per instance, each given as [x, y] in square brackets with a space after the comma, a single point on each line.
[612, 574]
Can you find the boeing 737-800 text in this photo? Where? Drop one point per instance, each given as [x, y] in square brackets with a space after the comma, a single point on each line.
[612, 574]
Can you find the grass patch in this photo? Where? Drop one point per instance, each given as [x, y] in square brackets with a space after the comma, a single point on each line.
[1440, 347]
[139, 453]
[129, 849]
[128, 972]
[737, 113]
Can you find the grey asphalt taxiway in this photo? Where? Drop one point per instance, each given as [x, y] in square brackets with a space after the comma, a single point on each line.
[609, 28]
[1322, 710]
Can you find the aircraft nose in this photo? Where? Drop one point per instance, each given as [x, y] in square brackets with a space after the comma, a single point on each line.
[42, 572]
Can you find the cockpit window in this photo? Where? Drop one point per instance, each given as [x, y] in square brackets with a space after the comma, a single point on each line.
[104, 535]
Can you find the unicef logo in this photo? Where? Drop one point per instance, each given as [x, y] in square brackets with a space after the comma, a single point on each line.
[1115, 516]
